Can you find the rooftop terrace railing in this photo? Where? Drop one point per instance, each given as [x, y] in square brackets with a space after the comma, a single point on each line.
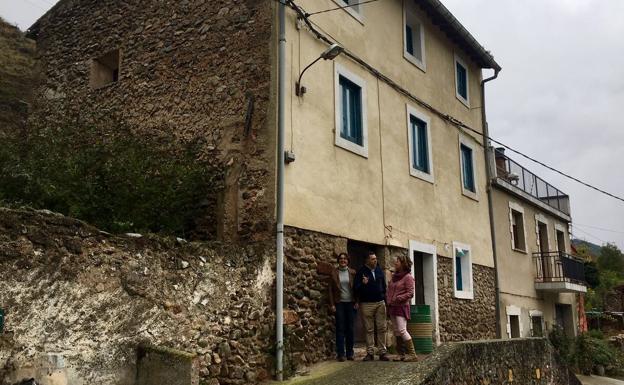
[530, 183]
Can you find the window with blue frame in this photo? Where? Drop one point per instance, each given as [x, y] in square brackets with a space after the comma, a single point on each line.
[351, 111]
[420, 145]
[463, 271]
[459, 285]
[461, 76]
[467, 163]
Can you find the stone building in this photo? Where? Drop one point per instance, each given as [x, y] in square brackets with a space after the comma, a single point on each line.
[386, 138]
[540, 282]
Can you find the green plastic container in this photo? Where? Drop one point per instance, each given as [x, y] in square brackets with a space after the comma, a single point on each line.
[421, 329]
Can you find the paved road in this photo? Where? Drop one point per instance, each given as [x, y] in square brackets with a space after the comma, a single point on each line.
[367, 373]
[595, 380]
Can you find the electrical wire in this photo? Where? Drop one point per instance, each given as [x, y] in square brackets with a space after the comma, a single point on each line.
[599, 228]
[586, 233]
[446, 117]
[342, 7]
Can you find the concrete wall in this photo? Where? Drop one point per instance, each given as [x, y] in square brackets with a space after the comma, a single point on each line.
[517, 270]
[187, 73]
[375, 199]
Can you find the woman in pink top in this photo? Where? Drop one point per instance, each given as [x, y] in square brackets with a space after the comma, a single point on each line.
[400, 293]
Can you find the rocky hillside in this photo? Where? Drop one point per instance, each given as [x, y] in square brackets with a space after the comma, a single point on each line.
[17, 69]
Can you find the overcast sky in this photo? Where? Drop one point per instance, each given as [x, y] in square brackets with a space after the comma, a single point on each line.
[557, 99]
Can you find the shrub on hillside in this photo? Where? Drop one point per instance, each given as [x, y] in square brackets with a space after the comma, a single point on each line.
[108, 177]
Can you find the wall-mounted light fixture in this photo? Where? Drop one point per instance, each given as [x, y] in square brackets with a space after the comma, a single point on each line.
[329, 54]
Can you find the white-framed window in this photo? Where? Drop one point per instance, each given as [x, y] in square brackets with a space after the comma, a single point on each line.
[560, 235]
[462, 271]
[350, 98]
[517, 227]
[355, 9]
[419, 138]
[514, 324]
[413, 37]
[542, 235]
[462, 80]
[537, 323]
[468, 168]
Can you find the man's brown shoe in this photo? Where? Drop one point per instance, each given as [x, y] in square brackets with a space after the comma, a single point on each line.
[369, 357]
[384, 357]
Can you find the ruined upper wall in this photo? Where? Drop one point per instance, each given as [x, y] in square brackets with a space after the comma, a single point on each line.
[191, 72]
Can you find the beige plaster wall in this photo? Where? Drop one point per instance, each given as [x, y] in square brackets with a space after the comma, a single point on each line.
[516, 269]
[545, 303]
[375, 199]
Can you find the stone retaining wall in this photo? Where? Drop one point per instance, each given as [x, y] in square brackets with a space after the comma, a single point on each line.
[530, 361]
[79, 302]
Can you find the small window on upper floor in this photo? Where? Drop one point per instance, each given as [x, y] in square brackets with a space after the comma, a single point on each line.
[105, 69]
[516, 217]
[353, 7]
[414, 38]
[461, 81]
[418, 133]
[351, 127]
[468, 173]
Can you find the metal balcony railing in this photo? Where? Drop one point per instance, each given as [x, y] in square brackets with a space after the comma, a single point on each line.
[530, 183]
[556, 266]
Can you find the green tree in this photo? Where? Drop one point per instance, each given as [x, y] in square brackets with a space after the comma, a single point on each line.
[611, 259]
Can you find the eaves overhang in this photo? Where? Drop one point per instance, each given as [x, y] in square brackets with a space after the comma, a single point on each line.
[456, 32]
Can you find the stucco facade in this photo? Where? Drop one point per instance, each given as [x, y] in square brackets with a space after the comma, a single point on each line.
[526, 309]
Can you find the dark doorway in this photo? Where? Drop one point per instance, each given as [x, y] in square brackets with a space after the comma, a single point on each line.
[419, 277]
[536, 324]
[563, 318]
[514, 325]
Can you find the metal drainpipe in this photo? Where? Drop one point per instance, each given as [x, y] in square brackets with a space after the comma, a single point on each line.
[488, 174]
[279, 270]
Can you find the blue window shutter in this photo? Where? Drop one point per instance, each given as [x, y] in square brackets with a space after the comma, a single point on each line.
[409, 39]
[459, 285]
[467, 168]
[420, 146]
[351, 101]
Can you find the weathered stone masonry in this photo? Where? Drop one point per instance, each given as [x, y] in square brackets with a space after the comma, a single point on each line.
[461, 319]
[189, 72]
[310, 333]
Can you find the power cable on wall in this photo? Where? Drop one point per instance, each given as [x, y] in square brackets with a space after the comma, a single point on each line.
[446, 117]
[342, 7]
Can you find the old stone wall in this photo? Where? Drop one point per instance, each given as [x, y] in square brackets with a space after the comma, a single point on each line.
[530, 361]
[191, 72]
[309, 331]
[79, 302]
[464, 319]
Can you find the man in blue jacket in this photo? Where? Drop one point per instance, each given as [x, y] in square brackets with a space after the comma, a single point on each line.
[370, 289]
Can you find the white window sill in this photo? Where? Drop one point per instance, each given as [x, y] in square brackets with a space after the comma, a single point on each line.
[350, 146]
[470, 194]
[465, 102]
[519, 250]
[464, 294]
[351, 11]
[415, 61]
[421, 175]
